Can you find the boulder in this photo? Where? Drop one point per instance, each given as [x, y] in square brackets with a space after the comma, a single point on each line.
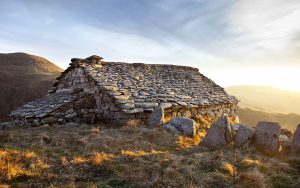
[183, 125]
[266, 137]
[156, 118]
[244, 135]
[219, 134]
[295, 148]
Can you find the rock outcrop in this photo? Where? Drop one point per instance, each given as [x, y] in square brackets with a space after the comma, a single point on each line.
[266, 137]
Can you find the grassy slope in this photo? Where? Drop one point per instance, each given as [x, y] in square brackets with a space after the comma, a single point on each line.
[267, 99]
[130, 157]
[252, 117]
[23, 78]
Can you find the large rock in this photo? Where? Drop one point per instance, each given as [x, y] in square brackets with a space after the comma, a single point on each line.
[296, 142]
[266, 137]
[183, 125]
[244, 135]
[219, 135]
[157, 117]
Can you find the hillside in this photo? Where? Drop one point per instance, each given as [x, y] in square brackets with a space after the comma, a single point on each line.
[24, 77]
[266, 99]
[76, 155]
[252, 117]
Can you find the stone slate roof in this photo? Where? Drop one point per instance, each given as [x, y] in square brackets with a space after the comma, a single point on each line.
[138, 87]
[42, 107]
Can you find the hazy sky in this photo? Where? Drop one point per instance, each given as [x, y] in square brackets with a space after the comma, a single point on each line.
[234, 42]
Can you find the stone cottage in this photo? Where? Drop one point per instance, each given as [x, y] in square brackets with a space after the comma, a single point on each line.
[92, 90]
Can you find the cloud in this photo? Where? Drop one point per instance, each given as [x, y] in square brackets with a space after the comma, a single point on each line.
[224, 38]
[268, 25]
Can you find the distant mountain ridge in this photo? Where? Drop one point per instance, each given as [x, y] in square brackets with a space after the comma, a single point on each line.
[266, 99]
[24, 77]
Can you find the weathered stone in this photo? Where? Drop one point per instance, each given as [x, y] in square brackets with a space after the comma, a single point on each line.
[296, 142]
[69, 116]
[182, 103]
[283, 138]
[286, 147]
[166, 105]
[156, 118]
[133, 111]
[215, 136]
[146, 105]
[60, 121]
[5, 125]
[114, 108]
[266, 137]
[36, 122]
[50, 120]
[121, 115]
[184, 125]
[122, 97]
[287, 133]
[244, 135]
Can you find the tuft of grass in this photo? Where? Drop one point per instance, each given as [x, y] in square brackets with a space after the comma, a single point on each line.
[251, 163]
[252, 179]
[99, 158]
[229, 169]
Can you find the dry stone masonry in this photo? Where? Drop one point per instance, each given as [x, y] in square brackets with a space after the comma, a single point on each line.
[91, 90]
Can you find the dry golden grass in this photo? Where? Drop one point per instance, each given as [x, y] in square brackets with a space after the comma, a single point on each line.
[254, 179]
[99, 158]
[17, 164]
[88, 156]
[229, 168]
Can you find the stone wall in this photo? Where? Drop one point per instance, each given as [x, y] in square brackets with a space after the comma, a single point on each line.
[105, 109]
[80, 111]
[212, 112]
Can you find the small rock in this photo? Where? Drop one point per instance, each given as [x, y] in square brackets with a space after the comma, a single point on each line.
[266, 137]
[156, 118]
[36, 123]
[60, 121]
[184, 125]
[283, 138]
[46, 125]
[166, 105]
[244, 135]
[69, 116]
[287, 133]
[296, 142]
